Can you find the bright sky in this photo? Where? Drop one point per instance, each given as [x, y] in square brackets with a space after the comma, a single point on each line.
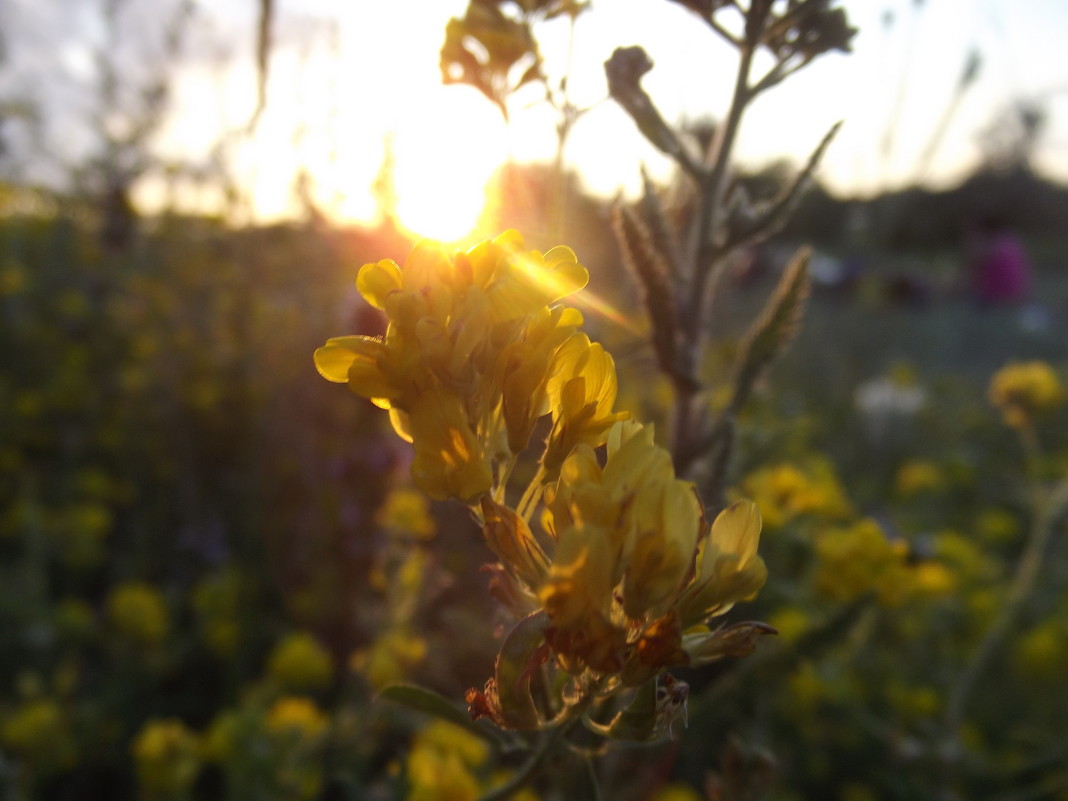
[347, 75]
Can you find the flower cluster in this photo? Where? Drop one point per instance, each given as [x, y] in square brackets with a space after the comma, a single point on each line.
[607, 558]
[1025, 390]
[464, 368]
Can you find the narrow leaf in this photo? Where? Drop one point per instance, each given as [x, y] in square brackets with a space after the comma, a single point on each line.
[431, 703]
[774, 329]
[651, 268]
[521, 653]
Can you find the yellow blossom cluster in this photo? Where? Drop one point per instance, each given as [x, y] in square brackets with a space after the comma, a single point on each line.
[619, 572]
[38, 731]
[138, 613]
[295, 717]
[406, 511]
[391, 656]
[446, 763]
[168, 758]
[473, 356]
[1025, 390]
[299, 663]
[859, 559]
[786, 491]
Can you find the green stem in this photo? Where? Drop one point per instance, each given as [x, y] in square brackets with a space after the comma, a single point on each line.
[591, 774]
[525, 772]
[1046, 507]
[502, 480]
[701, 249]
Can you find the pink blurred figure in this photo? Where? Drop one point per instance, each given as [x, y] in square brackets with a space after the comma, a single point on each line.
[1001, 268]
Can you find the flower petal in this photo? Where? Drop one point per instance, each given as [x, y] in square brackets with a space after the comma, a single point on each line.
[377, 280]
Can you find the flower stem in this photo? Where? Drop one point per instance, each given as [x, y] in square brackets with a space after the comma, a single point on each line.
[526, 504]
[1046, 506]
[525, 772]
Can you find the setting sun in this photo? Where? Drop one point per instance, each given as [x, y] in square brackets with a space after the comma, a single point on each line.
[445, 154]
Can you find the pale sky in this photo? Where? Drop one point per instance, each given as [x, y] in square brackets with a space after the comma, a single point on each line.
[345, 74]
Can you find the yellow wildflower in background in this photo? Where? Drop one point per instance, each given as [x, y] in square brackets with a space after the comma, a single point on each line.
[790, 622]
[390, 658]
[860, 559]
[1025, 390]
[138, 613]
[786, 491]
[933, 579]
[298, 662]
[407, 511]
[295, 718]
[168, 758]
[919, 476]
[39, 732]
[1042, 652]
[442, 762]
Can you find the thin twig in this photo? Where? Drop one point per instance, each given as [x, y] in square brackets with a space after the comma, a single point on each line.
[525, 772]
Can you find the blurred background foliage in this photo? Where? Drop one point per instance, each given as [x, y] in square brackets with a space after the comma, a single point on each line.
[210, 560]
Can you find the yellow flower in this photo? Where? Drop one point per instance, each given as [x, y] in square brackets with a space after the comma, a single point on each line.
[38, 732]
[299, 662]
[632, 520]
[390, 658]
[786, 491]
[522, 371]
[790, 622]
[933, 579]
[917, 476]
[406, 510]
[511, 539]
[728, 567]
[445, 737]
[138, 613]
[1042, 652]
[582, 392]
[441, 764]
[295, 718]
[623, 584]
[860, 559]
[464, 364]
[450, 459]
[168, 757]
[1024, 390]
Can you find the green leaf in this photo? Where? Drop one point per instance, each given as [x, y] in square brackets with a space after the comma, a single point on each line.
[436, 705]
[516, 662]
[776, 327]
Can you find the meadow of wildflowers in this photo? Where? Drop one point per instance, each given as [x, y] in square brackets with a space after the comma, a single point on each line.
[780, 551]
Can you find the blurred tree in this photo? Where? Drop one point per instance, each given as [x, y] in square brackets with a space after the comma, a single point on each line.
[1009, 141]
[130, 108]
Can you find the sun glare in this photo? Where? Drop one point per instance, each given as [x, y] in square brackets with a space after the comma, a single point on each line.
[444, 158]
